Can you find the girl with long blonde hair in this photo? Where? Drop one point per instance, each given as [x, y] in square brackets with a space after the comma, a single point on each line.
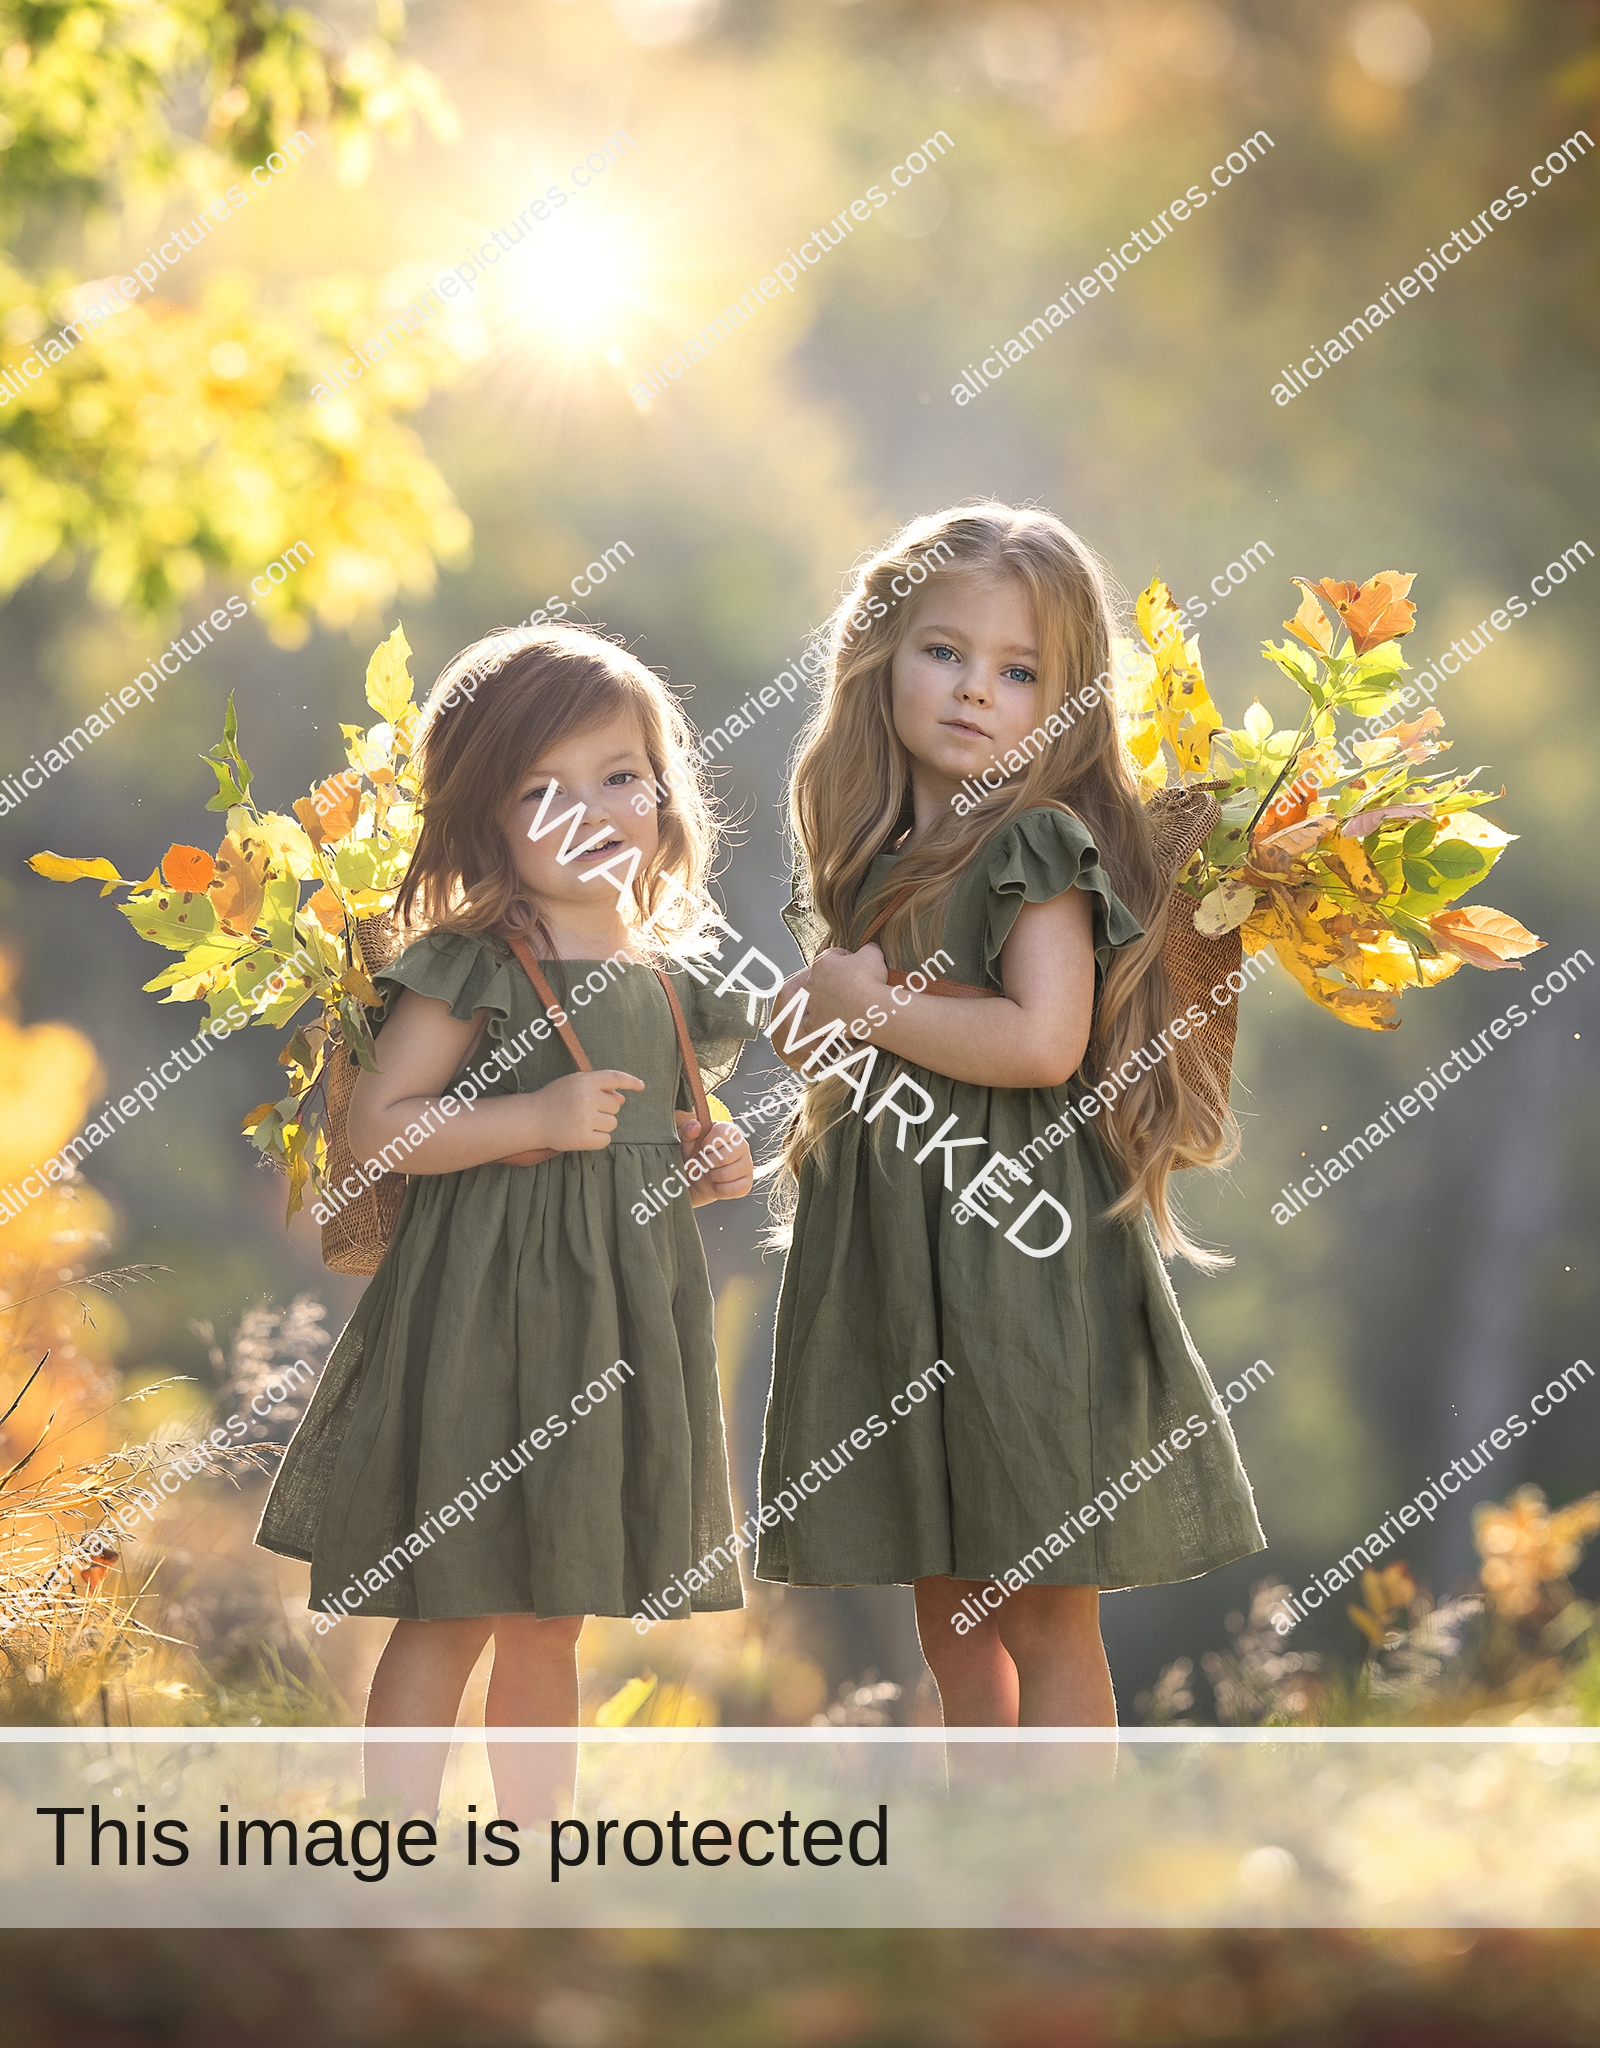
[1008, 1414]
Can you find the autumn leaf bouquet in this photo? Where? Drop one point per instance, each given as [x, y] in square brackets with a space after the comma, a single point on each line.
[270, 923]
[1338, 853]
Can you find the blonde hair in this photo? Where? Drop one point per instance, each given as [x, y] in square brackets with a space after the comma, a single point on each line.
[850, 799]
[495, 709]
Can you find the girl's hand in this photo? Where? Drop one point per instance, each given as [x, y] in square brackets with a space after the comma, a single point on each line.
[847, 985]
[735, 1171]
[579, 1112]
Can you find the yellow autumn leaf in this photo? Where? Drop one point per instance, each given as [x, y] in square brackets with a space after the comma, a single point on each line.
[60, 867]
[1385, 961]
[1348, 859]
[288, 844]
[1475, 829]
[1368, 1009]
[1187, 718]
[625, 1703]
[1224, 908]
[355, 983]
[388, 676]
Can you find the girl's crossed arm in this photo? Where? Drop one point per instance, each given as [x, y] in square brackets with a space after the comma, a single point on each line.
[1033, 1037]
[419, 1051]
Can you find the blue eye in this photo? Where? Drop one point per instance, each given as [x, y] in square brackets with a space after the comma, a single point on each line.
[1020, 675]
[942, 649]
[623, 775]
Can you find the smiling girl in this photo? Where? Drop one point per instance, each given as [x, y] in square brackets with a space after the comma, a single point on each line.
[517, 1278]
[963, 785]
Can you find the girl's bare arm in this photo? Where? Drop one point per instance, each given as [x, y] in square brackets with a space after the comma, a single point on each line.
[1034, 1036]
[419, 1051]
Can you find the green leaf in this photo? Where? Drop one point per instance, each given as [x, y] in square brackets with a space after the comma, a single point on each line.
[1413, 932]
[1419, 838]
[1456, 860]
[171, 917]
[388, 678]
[356, 866]
[1367, 696]
[358, 1034]
[278, 906]
[1449, 870]
[228, 790]
[267, 1136]
[1382, 660]
[229, 766]
[213, 956]
[1297, 664]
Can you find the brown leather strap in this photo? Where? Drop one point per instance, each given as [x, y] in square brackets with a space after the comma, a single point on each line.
[547, 996]
[569, 1038]
[936, 986]
[691, 1064]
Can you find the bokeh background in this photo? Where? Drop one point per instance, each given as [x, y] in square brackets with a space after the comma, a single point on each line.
[475, 471]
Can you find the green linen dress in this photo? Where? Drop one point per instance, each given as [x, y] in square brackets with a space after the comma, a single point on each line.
[505, 1291]
[1060, 1370]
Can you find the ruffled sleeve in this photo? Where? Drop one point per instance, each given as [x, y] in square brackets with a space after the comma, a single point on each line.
[469, 971]
[719, 1026]
[1037, 858]
[799, 914]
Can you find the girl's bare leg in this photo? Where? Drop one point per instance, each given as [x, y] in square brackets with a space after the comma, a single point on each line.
[1037, 1662]
[1053, 1636]
[418, 1684]
[975, 1672]
[534, 1684]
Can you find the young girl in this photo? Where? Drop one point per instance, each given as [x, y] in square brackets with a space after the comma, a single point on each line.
[521, 1424]
[1004, 1487]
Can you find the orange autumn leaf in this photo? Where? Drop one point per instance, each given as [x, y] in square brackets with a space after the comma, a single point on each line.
[187, 868]
[239, 885]
[97, 1567]
[1310, 623]
[306, 812]
[1482, 937]
[1372, 612]
[1381, 611]
[337, 804]
[326, 908]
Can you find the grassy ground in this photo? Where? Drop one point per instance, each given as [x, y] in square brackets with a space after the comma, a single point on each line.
[1419, 1989]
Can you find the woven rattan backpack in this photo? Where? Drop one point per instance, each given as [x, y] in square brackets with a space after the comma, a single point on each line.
[356, 1237]
[1181, 821]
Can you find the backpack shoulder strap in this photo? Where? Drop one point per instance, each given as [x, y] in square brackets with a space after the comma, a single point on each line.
[935, 986]
[569, 1037]
[691, 1062]
[547, 996]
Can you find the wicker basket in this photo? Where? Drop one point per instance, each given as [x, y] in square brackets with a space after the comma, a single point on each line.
[1182, 819]
[356, 1237]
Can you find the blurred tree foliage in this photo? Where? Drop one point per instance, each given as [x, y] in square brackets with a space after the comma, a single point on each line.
[163, 439]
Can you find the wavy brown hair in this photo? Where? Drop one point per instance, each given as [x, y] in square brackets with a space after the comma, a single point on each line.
[850, 800]
[496, 708]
